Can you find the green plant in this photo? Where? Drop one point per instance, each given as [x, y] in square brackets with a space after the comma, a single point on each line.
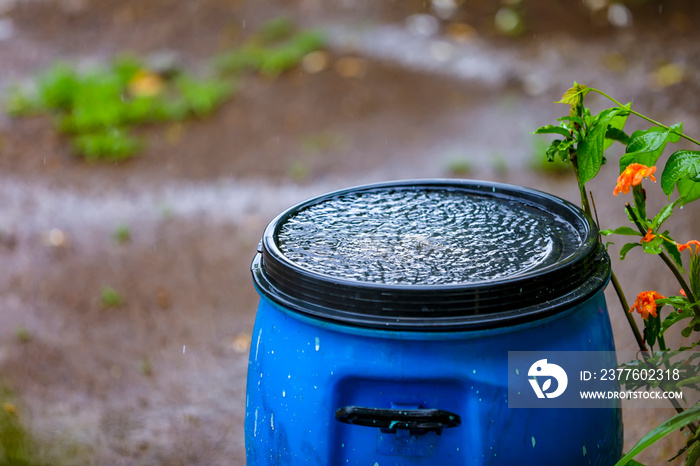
[16, 443]
[582, 140]
[110, 297]
[275, 48]
[122, 234]
[97, 108]
[22, 334]
[459, 165]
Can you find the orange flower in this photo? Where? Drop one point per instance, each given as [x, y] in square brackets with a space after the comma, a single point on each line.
[646, 303]
[648, 237]
[683, 247]
[632, 176]
[683, 293]
[145, 84]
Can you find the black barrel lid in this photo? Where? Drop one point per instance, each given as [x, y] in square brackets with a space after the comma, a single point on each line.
[431, 255]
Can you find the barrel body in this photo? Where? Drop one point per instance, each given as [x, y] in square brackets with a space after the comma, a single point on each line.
[301, 372]
[387, 313]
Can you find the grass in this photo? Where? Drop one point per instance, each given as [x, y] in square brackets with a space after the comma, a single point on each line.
[459, 166]
[22, 334]
[111, 298]
[98, 108]
[122, 234]
[16, 443]
[274, 49]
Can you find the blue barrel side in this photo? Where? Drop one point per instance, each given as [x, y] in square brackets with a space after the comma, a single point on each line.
[302, 370]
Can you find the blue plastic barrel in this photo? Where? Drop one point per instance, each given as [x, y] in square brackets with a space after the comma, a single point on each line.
[349, 367]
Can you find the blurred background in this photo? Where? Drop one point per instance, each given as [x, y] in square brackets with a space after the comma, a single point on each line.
[144, 146]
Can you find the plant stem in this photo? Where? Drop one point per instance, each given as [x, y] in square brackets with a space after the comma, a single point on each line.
[625, 309]
[684, 285]
[667, 260]
[644, 117]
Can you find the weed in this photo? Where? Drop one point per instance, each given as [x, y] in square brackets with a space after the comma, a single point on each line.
[111, 298]
[276, 29]
[275, 48]
[96, 108]
[459, 166]
[112, 145]
[22, 334]
[16, 443]
[122, 234]
[145, 367]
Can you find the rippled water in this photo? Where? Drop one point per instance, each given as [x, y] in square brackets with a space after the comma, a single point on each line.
[422, 237]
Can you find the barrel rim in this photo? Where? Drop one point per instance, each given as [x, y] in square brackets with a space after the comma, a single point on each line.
[420, 306]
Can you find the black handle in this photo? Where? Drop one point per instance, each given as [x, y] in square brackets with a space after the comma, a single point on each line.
[416, 420]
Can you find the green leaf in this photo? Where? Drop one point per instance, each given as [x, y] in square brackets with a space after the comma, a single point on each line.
[58, 87]
[689, 381]
[652, 327]
[112, 145]
[664, 214]
[615, 134]
[574, 95]
[590, 149]
[620, 231]
[682, 170]
[203, 96]
[686, 348]
[614, 131]
[672, 250]
[645, 147]
[671, 425]
[552, 129]
[691, 327]
[640, 202]
[574, 120]
[689, 190]
[694, 274]
[560, 148]
[653, 246]
[276, 29]
[693, 456]
[626, 248]
[675, 316]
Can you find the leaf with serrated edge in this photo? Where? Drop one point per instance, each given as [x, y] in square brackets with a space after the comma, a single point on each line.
[645, 147]
[682, 164]
[574, 95]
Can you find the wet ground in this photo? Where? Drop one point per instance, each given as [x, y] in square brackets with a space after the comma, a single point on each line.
[160, 379]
